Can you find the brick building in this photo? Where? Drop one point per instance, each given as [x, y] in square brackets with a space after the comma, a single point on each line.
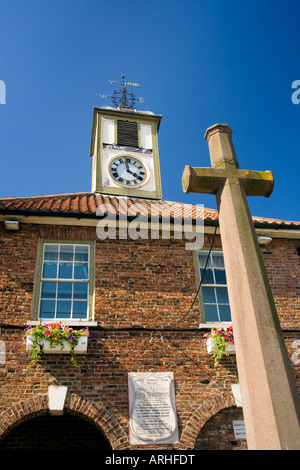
[92, 260]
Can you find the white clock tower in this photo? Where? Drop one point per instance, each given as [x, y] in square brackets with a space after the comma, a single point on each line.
[124, 147]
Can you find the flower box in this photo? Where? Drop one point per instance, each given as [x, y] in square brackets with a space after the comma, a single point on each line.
[80, 348]
[55, 338]
[230, 348]
[219, 343]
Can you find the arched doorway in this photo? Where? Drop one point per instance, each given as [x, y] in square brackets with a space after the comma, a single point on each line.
[58, 433]
[218, 433]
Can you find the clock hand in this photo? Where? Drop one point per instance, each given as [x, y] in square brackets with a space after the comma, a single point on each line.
[131, 172]
[128, 170]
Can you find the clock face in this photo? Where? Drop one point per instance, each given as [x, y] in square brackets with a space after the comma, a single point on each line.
[128, 171]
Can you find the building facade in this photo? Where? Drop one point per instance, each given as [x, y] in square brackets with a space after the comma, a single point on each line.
[115, 261]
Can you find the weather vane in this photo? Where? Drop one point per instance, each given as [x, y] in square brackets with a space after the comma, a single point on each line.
[123, 98]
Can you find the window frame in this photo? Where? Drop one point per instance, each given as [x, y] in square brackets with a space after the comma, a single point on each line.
[203, 322]
[39, 279]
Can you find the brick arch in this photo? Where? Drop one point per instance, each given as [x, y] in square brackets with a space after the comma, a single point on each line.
[21, 411]
[103, 419]
[38, 405]
[202, 414]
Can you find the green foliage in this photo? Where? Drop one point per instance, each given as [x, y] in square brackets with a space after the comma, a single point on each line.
[57, 335]
[220, 337]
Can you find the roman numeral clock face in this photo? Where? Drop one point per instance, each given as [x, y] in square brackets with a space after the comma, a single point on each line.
[128, 171]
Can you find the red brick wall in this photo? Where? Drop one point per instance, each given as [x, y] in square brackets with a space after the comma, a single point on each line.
[142, 289]
[221, 425]
[283, 267]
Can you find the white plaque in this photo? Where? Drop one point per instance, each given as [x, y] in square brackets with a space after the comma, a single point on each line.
[239, 430]
[152, 408]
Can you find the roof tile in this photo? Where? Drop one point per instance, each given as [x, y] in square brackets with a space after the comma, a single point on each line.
[87, 204]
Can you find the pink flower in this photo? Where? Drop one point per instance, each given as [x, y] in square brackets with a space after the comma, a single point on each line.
[48, 332]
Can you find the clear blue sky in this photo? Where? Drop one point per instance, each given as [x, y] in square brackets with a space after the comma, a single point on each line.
[200, 62]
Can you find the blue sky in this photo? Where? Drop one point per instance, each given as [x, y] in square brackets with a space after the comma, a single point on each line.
[200, 62]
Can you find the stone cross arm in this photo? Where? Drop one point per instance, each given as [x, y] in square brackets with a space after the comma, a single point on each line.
[224, 169]
[210, 180]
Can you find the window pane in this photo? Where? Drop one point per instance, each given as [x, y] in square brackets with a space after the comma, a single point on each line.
[47, 309]
[209, 295]
[66, 252]
[222, 296]
[224, 313]
[81, 271]
[63, 309]
[80, 290]
[64, 290]
[81, 253]
[211, 313]
[215, 298]
[65, 270]
[208, 276]
[48, 290]
[79, 309]
[202, 256]
[51, 252]
[220, 276]
[49, 270]
[218, 260]
[64, 298]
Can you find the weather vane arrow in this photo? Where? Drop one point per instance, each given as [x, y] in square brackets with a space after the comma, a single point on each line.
[123, 98]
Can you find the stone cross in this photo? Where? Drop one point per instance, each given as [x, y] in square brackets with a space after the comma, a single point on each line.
[270, 400]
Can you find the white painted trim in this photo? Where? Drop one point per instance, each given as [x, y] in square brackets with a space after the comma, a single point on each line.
[89, 222]
[83, 323]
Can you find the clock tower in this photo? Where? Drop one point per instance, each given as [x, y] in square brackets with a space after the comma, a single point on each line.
[124, 147]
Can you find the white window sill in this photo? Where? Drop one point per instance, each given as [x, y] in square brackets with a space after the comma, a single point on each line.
[215, 325]
[84, 323]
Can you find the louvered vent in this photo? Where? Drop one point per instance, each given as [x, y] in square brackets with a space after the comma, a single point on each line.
[128, 133]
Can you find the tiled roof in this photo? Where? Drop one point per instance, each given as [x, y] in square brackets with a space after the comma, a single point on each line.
[91, 205]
